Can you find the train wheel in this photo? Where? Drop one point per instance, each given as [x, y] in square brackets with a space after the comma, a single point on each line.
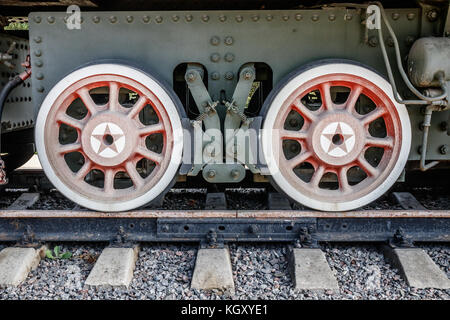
[333, 137]
[109, 137]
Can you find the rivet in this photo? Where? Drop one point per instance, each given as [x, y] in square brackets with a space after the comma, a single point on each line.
[269, 17]
[130, 19]
[229, 57]
[432, 15]
[332, 17]
[38, 53]
[39, 63]
[113, 19]
[255, 18]
[411, 16]
[51, 19]
[222, 18]
[205, 18]
[348, 16]
[40, 89]
[188, 18]
[298, 17]
[390, 41]
[175, 18]
[235, 173]
[443, 149]
[247, 75]
[96, 19]
[159, 19]
[215, 40]
[215, 57]
[229, 75]
[39, 76]
[37, 19]
[409, 40]
[239, 18]
[395, 16]
[373, 41]
[146, 19]
[191, 76]
[37, 39]
[229, 40]
[215, 76]
[285, 17]
[211, 174]
[315, 17]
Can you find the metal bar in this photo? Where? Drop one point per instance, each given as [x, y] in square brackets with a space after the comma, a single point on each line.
[258, 214]
[223, 229]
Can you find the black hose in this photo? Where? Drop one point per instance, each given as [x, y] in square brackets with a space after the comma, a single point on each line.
[17, 80]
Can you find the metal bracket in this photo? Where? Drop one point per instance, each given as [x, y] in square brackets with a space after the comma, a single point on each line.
[235, 118]
[307, 238]
[209, 117]
[400, 240]
[212, 241]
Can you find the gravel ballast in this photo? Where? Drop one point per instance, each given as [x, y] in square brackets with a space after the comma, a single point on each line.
[164, 271]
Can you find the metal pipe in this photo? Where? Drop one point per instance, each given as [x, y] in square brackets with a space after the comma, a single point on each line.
[426, 126]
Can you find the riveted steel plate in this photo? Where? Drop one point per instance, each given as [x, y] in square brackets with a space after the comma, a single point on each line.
[18, 112]
[222, 41]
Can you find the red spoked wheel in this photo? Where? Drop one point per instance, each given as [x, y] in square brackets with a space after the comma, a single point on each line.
[334, 137]
[109, 137]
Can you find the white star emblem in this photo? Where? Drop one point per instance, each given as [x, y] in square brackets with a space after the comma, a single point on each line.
[337, 139]
[107, 140]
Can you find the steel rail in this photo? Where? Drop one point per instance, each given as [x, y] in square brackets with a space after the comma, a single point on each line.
[254, 214]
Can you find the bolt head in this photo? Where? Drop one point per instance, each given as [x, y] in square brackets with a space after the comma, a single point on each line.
[211, 174]
[229, 75]
[215, 40]
[229, 57]
[443, 149]
[191, 76]
[235, 173]
[215, 57]
[228, 40]
[215, 76]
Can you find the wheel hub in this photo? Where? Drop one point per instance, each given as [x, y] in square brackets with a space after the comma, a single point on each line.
[109, 139]
[337, 139]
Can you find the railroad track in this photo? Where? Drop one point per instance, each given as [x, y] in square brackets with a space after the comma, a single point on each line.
[217, 220]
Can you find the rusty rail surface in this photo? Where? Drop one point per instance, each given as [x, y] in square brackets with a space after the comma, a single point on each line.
[257, 214]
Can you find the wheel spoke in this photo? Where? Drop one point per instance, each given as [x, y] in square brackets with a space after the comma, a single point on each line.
[141, 103]
[109, 181]
[372, 116]
[325, 93]
[384, 143]
[304, 111]
[343, 179]
[298, 159]
[154, 128]
[71, 147]
[71, 122]
[138, 181]
[84, 95]
[367, 167]
[353, 98]
[153, 156]
[293, 135]
[317, 176]
[84, 170]
[113, 96]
